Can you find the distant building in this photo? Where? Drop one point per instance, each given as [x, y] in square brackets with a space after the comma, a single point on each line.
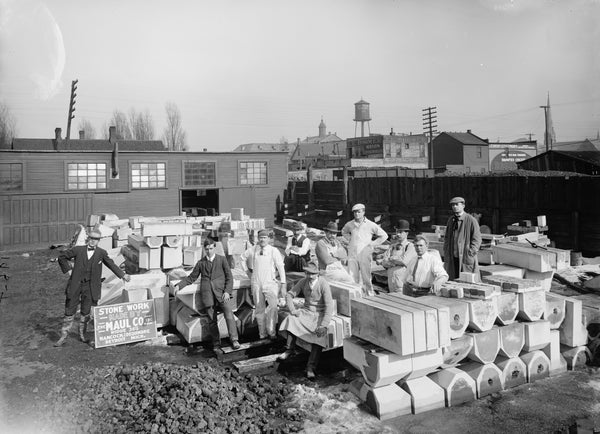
[460, 152]
[49, 186]
[585, 162]
[578, 145]
[392, 150]
[505, 156]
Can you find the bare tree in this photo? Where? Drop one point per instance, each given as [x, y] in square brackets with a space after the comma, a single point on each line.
[141, 125]
[174, 135]
[8, 126]
[89, 132]
[119, 120]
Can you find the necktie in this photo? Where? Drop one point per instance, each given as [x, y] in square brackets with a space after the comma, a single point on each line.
[91, 249]
[262, 252]
[414, 273]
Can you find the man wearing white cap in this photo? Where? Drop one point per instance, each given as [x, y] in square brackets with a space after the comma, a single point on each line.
[84, 282]
[262, 262]
[461, 242]
[359, 233]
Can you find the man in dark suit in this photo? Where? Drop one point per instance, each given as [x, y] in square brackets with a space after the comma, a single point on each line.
[85, 282]
[216, 286]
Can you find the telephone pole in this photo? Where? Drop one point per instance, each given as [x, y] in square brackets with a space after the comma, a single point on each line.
[71, 107]
[429, 126]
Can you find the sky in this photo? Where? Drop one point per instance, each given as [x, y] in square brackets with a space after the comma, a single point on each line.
[247, 71]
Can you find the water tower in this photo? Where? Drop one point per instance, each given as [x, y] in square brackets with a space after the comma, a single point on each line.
[362, 115]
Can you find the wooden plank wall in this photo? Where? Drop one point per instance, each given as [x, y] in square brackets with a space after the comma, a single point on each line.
[571, 204]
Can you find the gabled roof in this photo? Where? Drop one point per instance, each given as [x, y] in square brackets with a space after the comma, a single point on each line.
[86, 145]
[321, 139]
[467, 138]
[578, 145]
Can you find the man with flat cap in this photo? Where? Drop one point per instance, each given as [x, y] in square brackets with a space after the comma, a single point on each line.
[330, 254]
[399, 254]
[362, 236]
[84, 284]
[461, 242]
[264, 265]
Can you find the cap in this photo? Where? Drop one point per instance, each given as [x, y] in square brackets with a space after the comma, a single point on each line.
[95, 234]
[263, 233]
[358, 206]
[297, 226]
[311, 268]
[457, 199]
[331, 227]
[402, 225]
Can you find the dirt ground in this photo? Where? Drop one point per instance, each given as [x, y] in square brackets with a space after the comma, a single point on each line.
[32, 369]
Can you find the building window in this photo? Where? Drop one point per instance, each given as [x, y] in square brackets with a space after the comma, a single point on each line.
[253, 172]
[478, 151]
[11, 177]
[199, 174]
[148, 175]
[406, 146]
[86, 176]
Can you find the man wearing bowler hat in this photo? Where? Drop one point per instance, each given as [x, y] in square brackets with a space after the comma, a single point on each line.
[362, 235]
[309, 322]
[330, 254]
[84, 282]
[298, 254]
[397, 256]
[461, 242]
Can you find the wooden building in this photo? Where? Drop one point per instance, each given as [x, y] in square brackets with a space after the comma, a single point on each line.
[586, 162]
[49, 186]
[460, 152]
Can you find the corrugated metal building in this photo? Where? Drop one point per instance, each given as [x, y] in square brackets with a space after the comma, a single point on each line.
[49, 186]
[587, 162]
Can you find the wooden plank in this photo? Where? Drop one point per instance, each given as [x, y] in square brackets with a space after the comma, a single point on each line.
[386, 327]
[250, 365]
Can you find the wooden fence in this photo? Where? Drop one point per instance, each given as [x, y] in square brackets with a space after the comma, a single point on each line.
[571, 204]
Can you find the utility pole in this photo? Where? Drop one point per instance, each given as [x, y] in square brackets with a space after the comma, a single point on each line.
[71, 107]
[546, 141]
[530, 135]
[429, 126]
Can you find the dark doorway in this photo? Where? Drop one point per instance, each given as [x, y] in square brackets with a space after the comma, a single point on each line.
[200, 202]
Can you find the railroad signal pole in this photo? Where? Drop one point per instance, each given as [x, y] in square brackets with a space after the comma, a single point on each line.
[429, 126]
[71, 107]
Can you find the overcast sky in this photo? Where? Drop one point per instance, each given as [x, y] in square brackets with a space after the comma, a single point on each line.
[256, 71]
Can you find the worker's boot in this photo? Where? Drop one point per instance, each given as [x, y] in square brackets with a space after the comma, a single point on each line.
[83, 323]
[290, 347]
[64, 332]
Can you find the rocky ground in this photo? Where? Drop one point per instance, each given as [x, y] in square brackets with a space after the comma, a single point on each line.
[154, 387]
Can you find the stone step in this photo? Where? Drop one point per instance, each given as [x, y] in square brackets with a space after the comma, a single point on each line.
[538, 365]
[576, 357]
[482, 313]
[488, 378]
[458, 386]
[555, 310]
[387, 327]
[425, 394]
[523, 257]
[558, 363]
[386, 402]
[537, 335]
[512, 339]
[485, 346]
[514, 371]
[532, 305]
[508, 308]
[343, 293]
[458, 313]
[457, 350]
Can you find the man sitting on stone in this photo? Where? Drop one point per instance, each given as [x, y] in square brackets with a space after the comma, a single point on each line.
[399, 254]
[311, 320]
[331, 256]
[298, 254]
[427, 273]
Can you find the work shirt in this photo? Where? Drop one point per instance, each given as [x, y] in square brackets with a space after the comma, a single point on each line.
[425, 270]
[401, 252]
[262, 264]
[459, 220]
[360, 235]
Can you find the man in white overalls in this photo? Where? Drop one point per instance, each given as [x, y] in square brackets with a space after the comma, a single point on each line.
[262, 262]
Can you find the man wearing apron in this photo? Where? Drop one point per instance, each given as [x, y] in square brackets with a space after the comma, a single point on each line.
[261, 262]
[330, 254]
